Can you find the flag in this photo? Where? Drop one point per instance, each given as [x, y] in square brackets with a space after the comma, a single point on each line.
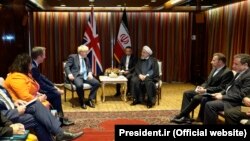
[92, 41]
[123, 39]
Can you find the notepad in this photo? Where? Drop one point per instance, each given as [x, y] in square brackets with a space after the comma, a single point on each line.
[31, 102]
[244, 109]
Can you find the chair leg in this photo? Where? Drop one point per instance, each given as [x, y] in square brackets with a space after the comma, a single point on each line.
[158, 97]
[96, 99]
[192, 114]
[160, 93]
[72, 98]
[65, 94]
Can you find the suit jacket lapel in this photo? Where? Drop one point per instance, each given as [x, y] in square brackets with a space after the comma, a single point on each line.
[213, 78]
[210, 77]
[131, 59]
[241, 76]
[219, 73]
[87, 64]
[77, 61]
[34, 63]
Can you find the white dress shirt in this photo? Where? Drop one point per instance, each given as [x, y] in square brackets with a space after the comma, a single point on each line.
[127, 62]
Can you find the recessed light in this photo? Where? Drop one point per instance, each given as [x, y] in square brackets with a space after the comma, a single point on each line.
[118, 5]
[153, 0]
[63, 5]
[175, 1]
[146, 5]
[91, 5]
[91, 0]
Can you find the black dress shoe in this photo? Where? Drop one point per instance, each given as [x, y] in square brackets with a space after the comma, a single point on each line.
[181, 120]
[83, 106]
[149, 105]
[135, 102]
[91, 104]
[66, 122]
[67, 136]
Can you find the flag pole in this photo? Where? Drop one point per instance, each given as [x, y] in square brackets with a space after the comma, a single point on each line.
[112, 47]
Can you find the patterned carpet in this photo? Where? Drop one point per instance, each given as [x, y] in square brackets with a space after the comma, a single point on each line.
[99, 126]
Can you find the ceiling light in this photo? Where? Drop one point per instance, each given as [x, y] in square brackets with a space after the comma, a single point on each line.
[175, 1]
[63, 5]
[153, 0]
[146, 5]
[91, 5]
[91, 0]
[119, 5]
[37, 3]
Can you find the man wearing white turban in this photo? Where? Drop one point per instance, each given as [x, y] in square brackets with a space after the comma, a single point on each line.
[145, 76]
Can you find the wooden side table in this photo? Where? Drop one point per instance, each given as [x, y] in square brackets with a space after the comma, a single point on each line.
[117, 80]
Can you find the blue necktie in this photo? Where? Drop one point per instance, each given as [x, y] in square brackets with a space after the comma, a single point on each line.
[84, 69]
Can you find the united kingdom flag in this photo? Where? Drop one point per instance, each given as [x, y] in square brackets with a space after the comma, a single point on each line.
[92, 41]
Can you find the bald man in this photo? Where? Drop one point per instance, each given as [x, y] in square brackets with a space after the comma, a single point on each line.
[144, 78]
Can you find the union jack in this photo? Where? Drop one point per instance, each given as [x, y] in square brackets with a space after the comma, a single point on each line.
[91, 39]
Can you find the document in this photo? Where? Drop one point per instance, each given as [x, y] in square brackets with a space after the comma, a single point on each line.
[31, 102]
[244, 109]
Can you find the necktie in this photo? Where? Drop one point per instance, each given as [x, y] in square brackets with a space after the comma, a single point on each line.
[84, 69]
[235, 78]
[215, 72]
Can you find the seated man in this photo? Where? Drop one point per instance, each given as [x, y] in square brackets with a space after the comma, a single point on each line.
[78, 70]
[7, 128]
[46, 86]
[34, 116]
[235, 115]
[234, 94]
[144, 78]
[127, 66]
[218, 78]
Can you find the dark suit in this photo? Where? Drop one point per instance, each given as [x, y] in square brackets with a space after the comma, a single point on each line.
[36, 117]
[73, 67]
[234, 115]
[150, 67]
[48, 88]
[131, 67]
[213, 84]
[237, 90]
[5, 130]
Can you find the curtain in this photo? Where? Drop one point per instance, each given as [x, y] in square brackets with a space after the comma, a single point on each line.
[168, 34]
[228, 30]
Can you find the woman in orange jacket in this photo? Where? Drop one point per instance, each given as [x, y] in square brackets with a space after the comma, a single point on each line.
[19, 81]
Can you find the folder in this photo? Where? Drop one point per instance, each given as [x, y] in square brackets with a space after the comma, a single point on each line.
[16, 137]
